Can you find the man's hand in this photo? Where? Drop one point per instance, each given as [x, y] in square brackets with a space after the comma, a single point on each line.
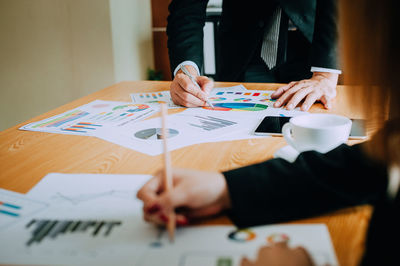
[321, 87]
[185, 93]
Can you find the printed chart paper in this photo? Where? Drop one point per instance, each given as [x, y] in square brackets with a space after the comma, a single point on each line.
[156, 97]
[95, 219]
[16, 206]
[184, 130]
[88, 119]
[165, 96]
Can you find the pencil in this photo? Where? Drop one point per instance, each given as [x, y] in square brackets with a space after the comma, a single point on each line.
[167, 171]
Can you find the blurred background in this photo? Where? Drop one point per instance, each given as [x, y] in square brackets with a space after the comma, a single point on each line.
[55, 51]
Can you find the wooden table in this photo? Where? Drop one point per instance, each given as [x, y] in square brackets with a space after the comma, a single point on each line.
[26, 157]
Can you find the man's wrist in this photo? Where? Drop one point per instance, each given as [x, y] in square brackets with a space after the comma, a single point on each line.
[326, 70]
[333, 77]
[188, 63]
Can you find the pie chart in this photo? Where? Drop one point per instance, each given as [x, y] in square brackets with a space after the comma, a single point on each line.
[154, 133]
[237, 107]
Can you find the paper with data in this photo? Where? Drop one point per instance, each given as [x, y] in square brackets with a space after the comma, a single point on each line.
[93, 219]
[89, 118]
[157, 97]
[183, 130]
[243, 104]
[16, 206]
[248, 107]
[96, 219]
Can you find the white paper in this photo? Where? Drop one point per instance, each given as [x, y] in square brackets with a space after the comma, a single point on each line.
[154, 97]
[184, 130]
[207, 245]
[158, 97]
[233, 88]
[89, 118]
[249, 117]
[83, 197]
[101, 197]
[16, 206]
[249, 103]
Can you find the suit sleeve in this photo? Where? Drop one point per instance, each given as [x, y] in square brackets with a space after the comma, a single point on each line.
[277, 191]
[185, 31]
[325, 38]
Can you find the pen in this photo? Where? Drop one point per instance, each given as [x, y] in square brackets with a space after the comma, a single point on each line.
[167, 171]
[187, 73]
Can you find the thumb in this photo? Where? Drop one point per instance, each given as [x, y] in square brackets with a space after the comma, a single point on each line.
[206, 84]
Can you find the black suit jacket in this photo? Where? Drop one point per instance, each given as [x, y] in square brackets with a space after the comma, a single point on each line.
[277, 191]
[242, 28]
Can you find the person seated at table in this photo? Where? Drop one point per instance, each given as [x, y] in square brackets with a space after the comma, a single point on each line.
[277, 41]
[276, 190]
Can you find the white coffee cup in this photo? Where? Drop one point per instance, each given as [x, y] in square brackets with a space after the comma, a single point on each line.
[320, 132]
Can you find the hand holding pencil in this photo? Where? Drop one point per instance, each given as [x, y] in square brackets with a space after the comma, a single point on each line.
[189, 89]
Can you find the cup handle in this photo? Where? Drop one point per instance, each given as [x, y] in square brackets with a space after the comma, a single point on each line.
[287, 134]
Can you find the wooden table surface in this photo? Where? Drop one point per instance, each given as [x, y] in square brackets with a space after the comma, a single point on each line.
[26, 157]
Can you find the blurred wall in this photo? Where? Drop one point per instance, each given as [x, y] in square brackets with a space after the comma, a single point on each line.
[132, 39]
[55, 51]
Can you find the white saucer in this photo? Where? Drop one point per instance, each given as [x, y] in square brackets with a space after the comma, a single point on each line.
[287, 153]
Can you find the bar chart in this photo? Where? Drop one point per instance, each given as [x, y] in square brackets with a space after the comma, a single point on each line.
[14, 206]
[42, 229]
[210, 123]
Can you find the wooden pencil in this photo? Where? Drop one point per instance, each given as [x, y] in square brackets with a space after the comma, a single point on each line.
[167, 171]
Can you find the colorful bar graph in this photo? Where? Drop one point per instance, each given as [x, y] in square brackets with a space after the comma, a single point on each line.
[63, 119]
[9, 213]
[5, 204]
[82, 127]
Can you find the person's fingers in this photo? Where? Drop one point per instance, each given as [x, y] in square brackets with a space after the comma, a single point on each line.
[310, 100]
[185, 99]
[264, 251]
[245, 262]
[161, 218]
[154, 218]
[176, 198]
[280, 244]
[149, 191]
[288, 94]
[304, 253]
[326, 101]
[282, 90]
[173, 87]
[297, 97]
[186, 84]
[206, 84]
